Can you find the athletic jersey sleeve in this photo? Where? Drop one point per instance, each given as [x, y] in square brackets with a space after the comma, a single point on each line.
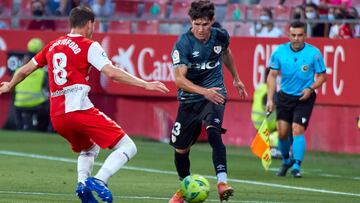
[319, 62]
[97, 56]
[180, 54]
[274, 60]
[40, 58]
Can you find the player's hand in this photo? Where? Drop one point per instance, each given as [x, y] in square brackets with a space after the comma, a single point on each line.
[4, 87]
[156, 86]
[240, 87]
[269, 106]
[214, 96]
[305, 94]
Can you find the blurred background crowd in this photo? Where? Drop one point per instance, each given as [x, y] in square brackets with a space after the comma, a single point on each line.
[262, 18]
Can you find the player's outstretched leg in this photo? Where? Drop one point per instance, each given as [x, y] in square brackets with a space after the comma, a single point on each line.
[100, 188]
[123, 151]
[177, 198]
[219, 162]
[84, 193]
[225, 191]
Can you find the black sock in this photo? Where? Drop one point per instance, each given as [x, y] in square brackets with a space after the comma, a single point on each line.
[218, 149]
[182, 163]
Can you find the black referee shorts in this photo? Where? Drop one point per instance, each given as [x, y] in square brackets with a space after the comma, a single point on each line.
[289, 108]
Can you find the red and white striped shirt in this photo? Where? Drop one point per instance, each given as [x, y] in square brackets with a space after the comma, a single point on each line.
[69, 59]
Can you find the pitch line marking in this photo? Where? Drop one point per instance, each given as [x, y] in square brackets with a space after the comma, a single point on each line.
[67, 160]
[119, 197]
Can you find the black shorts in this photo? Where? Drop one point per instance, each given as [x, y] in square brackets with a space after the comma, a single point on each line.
[189, 120]
[289, 108]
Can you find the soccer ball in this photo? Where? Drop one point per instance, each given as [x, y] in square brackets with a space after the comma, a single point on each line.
[195, 188]
[35, 45]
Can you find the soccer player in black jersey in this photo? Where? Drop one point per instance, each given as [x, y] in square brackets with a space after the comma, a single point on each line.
[198, 58]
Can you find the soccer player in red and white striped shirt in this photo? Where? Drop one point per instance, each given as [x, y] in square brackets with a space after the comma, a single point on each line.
[69, 59]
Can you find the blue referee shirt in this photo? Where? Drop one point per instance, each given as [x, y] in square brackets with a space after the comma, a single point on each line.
[297, 68]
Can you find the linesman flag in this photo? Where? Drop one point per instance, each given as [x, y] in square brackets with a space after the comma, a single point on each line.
[260, 146]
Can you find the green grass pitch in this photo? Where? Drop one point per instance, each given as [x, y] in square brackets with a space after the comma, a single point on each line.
[41, 168]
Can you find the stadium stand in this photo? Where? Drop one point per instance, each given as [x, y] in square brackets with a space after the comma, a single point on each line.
[237, 28]
[284, 26]
[163, 16]
[254, 12]
[179, 10]
[356, 4]
[5, 23]
[292, 3]
[25, 8]
[236, 11]
[220, 2]
[172, 28]
[269, 3]
[23, 23]
[5, 7]
[146, 26]
[120, 26]
[126, 9]
[230, 27]
[62, 25]
[281, 13]
[155, 9]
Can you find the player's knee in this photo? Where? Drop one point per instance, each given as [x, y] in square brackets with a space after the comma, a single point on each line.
[132, 149]
[213, 131]
[214, 137]
[93, 151]
[127, 145]
[298, 129]
[183, 151]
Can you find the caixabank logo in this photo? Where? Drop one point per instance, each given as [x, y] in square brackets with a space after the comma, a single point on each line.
[145, 63]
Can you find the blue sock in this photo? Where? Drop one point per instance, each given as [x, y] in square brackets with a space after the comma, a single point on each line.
[298, 150]
[284, 147]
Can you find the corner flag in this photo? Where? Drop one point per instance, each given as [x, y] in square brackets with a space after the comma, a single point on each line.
[260, 146]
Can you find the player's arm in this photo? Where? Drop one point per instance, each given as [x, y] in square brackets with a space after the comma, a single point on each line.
[19, 75]
[182, 82]
[229, 63]
[271, 84]
[98, 59]
[119, 75]
[320, 79]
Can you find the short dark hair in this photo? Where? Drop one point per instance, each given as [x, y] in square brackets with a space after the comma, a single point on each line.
[80, 15]
[298, 24]
[269, 12]
[202, 9]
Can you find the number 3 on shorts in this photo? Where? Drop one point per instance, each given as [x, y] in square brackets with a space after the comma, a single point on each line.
[176, 129]
[59, 63]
